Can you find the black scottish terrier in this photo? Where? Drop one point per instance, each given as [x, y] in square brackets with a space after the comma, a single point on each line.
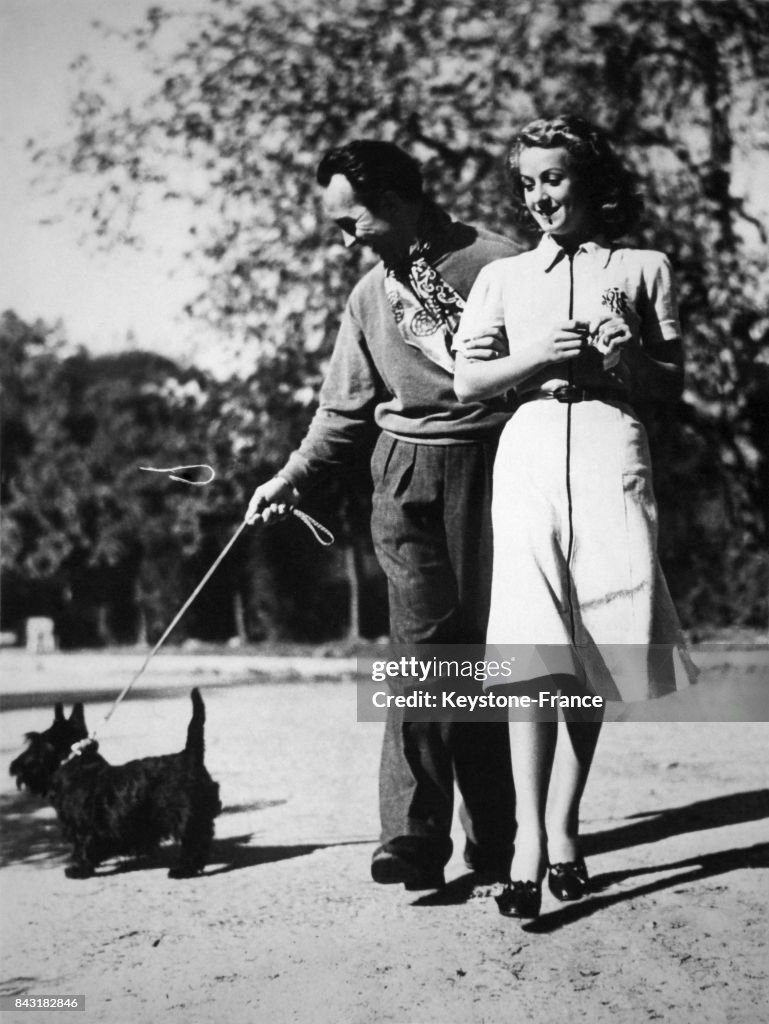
[115, 810]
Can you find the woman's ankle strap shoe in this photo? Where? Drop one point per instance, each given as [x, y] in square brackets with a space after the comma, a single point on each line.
[569, 880]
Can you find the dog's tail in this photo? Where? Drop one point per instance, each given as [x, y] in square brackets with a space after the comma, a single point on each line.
[196, 745]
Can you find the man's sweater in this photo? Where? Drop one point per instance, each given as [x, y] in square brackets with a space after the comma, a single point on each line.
[374, 377]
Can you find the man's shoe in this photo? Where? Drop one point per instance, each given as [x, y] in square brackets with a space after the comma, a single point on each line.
[388, 868]
[490, 865]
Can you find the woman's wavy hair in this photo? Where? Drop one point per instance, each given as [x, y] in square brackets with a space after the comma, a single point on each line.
[609, 185]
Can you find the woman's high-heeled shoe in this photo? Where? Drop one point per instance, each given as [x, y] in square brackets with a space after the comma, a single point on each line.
[569, 880]
[520, 899]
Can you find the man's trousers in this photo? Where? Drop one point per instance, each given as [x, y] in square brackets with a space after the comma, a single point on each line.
[431, 528]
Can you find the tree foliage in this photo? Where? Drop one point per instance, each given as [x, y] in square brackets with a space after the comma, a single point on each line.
[248, 95]
[111, 551]
[83, 525]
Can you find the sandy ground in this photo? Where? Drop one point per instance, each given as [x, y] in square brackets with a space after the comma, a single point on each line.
[286, 925]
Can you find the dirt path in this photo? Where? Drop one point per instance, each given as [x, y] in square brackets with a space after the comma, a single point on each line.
[287, 927]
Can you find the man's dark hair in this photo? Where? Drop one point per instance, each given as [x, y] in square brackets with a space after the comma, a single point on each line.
[372, 168]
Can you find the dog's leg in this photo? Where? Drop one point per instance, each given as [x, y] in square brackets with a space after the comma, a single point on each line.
[84, 859]
[79, 870]
[195, 843]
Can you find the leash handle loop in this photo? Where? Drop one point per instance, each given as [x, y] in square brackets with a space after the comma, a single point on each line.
[173, 470]
[321, 533]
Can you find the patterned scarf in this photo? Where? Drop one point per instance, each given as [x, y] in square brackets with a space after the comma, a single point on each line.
[425, 306]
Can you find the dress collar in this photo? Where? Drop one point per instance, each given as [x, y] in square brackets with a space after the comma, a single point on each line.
[550, 252]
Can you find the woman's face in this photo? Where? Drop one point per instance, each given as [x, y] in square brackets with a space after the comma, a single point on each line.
[554, 196]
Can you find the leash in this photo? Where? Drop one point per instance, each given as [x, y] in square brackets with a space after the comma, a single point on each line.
[322, 535]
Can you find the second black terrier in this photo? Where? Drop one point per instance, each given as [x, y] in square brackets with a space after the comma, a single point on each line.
[116, 810]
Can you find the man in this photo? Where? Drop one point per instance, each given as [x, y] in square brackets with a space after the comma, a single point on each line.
[392, 367]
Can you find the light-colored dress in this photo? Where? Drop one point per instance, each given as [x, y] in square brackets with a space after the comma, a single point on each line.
[574, 513]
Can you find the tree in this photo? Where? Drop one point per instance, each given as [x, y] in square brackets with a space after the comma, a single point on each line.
[111, 552]
[87, 534]
[29, 355]
[253, 92]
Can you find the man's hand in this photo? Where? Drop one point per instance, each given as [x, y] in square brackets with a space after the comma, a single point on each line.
[271, 501]
[490, 345]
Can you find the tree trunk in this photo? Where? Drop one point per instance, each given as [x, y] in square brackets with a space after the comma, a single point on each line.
[717, 181]
[102, 627]
[352, 572]
[142, 638]
[238, 614]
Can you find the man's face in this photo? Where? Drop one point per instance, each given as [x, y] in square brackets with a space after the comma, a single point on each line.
[384, 230]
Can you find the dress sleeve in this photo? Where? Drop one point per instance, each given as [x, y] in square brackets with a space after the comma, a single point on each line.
[484, 309]
[345, 415]
[659, 312]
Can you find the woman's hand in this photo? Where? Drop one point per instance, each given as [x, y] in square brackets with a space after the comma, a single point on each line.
[479, 377]
[654, 372]
[609, 331]
[562, 342]
[490, 345]
[610, 334]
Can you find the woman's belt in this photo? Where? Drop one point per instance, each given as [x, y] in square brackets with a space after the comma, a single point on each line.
[571, 393]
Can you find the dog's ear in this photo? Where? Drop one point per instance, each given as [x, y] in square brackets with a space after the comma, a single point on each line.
[58, 712]
[78, 716]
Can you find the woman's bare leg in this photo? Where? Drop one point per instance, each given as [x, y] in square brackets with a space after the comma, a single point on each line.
[532, 748]
[576, 745]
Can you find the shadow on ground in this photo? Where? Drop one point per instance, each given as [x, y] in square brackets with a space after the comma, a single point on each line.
[30, 831]
[733, 809]
[651, 826]
[18, 986]
[30, 834]
[232, 854]
[688, 872]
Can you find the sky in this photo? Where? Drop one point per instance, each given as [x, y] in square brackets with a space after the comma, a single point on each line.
[46, 271]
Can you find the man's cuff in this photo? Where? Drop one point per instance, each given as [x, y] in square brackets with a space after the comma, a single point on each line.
[295, 495]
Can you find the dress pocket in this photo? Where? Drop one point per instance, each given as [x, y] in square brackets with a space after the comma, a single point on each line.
[639, 499]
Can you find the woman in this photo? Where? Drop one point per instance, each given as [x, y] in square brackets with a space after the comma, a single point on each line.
[587, 326]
